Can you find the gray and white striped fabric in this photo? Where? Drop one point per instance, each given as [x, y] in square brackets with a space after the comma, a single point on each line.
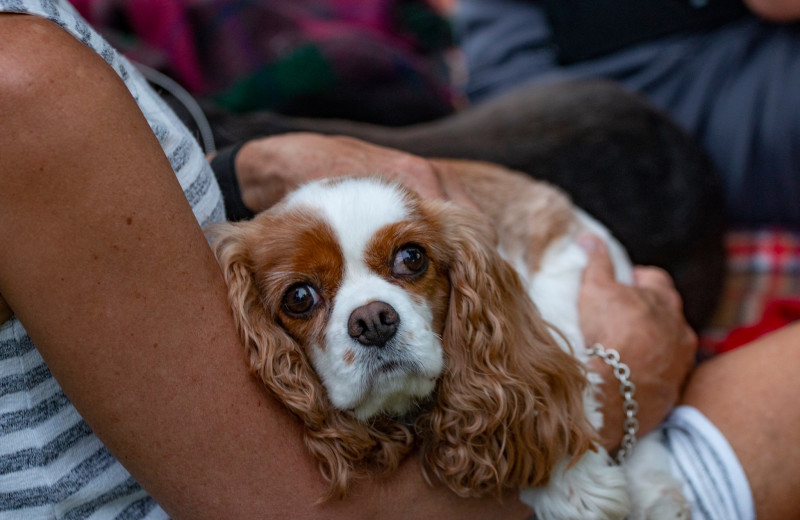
[714, 480]
[51, 464]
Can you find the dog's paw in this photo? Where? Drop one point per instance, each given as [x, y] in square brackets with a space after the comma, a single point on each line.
[655, 491]
[670, 505]
[592, 489]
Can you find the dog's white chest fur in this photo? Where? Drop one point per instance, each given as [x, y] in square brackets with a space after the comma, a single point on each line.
[555, 285]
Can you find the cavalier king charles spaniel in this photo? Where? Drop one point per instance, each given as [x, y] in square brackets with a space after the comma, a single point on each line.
[386, 323]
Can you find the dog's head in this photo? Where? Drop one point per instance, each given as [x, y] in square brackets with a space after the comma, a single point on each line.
[364, 307]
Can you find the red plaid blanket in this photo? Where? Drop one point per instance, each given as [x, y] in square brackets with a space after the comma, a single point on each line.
[762, 289]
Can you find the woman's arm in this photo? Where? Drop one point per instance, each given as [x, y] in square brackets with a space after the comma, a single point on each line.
[105, 265]
[750, 394]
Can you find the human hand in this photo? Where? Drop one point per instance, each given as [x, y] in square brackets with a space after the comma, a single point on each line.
[645, 324]
[270, 167]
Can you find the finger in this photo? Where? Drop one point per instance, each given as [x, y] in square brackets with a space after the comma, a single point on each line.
[600, 269]
[660, 283]
[649, 276]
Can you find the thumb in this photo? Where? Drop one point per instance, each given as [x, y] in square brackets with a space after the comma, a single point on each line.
[600, 269]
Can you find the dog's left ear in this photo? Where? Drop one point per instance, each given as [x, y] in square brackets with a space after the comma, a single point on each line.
[509, 406]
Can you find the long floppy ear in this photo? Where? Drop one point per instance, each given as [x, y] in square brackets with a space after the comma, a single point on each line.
[344, 447]
[274, 356]
[509, 406]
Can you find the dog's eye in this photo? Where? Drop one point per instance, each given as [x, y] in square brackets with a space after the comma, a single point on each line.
[300, 299]
[410, 260]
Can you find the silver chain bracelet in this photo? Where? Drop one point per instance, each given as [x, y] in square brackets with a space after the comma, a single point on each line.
[626, 389]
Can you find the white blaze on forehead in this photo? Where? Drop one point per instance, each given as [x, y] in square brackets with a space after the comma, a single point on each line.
[352, 373]
[355, 208]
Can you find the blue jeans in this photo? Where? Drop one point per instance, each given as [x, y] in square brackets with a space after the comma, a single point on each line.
[735, 87]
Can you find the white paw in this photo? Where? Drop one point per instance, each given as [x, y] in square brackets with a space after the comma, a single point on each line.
[656, 493]
[670, 505]
[590, 490]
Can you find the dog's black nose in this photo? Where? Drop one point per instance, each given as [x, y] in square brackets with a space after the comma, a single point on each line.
[373, 324]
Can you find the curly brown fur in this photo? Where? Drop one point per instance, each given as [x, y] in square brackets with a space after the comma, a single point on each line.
[509, 405]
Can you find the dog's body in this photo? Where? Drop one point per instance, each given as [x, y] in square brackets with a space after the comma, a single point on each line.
[387, 322]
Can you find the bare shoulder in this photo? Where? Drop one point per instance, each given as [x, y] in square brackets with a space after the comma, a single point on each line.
[56, 94]
[28, 42]
[42, 62]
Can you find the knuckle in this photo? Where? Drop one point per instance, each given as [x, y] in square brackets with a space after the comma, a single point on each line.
[652, 276]
[691, 338]
[412, 164]
[660, 272]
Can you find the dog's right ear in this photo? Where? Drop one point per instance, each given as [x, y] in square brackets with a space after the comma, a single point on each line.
[273, 355]
[230, 244]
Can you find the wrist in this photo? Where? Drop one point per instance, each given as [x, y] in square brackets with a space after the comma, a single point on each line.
[223, 164]
[620, 408]
[780, 11]
[611, 406]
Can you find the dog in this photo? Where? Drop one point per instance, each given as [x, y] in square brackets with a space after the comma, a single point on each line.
[386, 322]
